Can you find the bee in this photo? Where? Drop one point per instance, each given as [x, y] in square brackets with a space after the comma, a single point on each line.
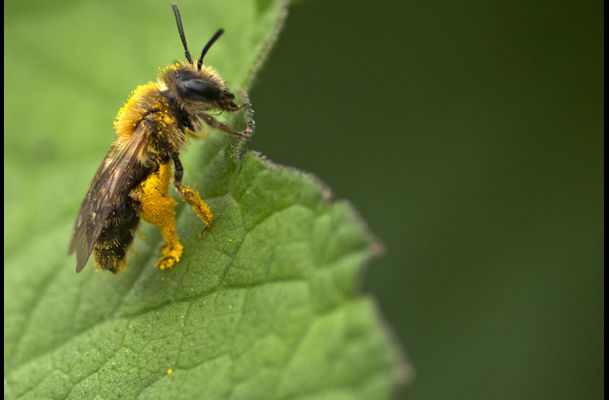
[132, 182]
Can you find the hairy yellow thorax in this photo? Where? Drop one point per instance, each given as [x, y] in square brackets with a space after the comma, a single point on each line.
[143, 99]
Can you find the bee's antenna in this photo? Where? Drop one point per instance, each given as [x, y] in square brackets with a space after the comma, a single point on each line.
[181, 30]
[213, 39]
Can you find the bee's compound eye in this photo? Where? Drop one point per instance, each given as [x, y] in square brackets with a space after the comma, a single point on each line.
[199, 89]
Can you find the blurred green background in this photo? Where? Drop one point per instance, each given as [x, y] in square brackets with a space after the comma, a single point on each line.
[468, 134]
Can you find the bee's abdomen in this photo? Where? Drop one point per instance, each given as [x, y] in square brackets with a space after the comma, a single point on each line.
[116, 237]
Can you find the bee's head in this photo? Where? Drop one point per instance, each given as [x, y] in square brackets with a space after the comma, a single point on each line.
[198, 90]
[197, 87]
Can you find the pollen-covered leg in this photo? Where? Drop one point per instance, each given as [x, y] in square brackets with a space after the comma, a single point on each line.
[199, 206]
[191, 196]
[156, 207]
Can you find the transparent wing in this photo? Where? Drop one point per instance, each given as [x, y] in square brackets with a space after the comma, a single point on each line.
[104, 193]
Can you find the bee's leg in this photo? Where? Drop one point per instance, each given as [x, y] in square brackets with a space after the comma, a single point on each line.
[190, 195]
[157, 208]
[246, 133]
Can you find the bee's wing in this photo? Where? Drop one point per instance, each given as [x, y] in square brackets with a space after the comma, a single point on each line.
[104, 192]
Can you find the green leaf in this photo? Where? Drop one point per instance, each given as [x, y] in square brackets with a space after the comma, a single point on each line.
[265, 306]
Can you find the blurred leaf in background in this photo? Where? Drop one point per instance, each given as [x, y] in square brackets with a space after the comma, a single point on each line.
[266, 306]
